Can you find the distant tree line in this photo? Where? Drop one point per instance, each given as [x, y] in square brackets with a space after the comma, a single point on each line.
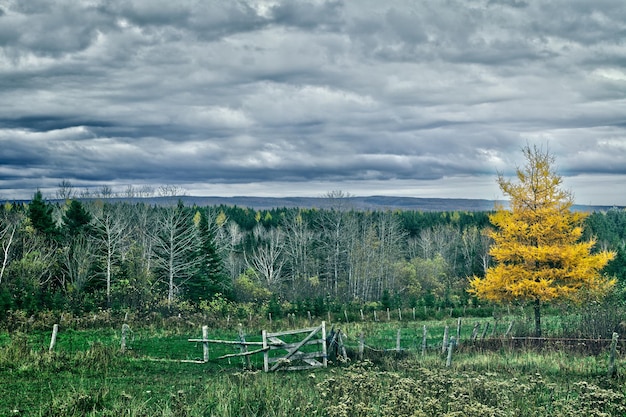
[83, 253]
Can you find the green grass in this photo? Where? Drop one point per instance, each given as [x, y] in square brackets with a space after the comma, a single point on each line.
[87, 375]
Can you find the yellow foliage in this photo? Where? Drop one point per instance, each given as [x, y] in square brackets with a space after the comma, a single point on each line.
[221, 218]
[196, 218]
[536, 243]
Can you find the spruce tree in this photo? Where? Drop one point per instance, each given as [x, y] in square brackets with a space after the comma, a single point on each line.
[40, 215]
[76, 219]
[209, 278]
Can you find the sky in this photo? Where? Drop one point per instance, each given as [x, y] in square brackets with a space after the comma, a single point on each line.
[421, 98]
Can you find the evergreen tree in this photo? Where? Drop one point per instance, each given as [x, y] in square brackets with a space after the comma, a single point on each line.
[40, 215]
[210, 277]
[76, 219]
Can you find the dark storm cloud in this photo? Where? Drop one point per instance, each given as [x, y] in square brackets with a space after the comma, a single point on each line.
[228, 93]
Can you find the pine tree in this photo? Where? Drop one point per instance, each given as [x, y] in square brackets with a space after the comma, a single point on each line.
[209, 278]
[40, 215]
[76, 219]
[537, 245]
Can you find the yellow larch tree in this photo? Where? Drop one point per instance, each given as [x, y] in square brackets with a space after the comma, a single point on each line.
[537, 249]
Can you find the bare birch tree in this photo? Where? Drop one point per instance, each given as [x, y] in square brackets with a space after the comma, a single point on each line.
[112, 232]
[174, 240]
[9, 223]
[299, 238]
[267, 255]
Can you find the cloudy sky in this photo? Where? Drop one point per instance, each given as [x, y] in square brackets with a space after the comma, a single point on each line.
[423, 98]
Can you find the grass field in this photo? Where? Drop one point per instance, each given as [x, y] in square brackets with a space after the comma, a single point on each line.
[87, 375]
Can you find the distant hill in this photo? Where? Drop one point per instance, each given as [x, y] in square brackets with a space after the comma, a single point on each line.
[357, 203]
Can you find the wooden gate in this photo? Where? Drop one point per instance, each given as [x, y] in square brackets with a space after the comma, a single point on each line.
[295, 355]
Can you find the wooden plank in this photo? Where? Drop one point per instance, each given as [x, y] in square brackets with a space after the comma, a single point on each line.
[252, 352]
[298, 346]
[275, 341]
[300, 368]
[288, 332]
[298, 356]
[226, 342]
[288, 346]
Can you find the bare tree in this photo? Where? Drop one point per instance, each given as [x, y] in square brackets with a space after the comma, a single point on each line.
[267, 255]
[171, 190]
[335, 224]
[66, 190]
[105, 192]
[475, 245]
[392, 238]
[299, 238]
[112, 231]
[9, 224]
[174, 240]
[229, 239]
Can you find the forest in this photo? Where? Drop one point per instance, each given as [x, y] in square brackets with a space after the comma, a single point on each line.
[86, 254]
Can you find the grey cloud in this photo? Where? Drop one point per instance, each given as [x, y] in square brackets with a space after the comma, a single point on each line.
[518, 4]
[327, 15]
[51, 29]
[253, 92]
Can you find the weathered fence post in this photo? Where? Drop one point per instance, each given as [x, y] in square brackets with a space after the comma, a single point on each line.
[375, 316]
[398, 335]
[413, 313]
[458, 330]
[450, 349]
[612, 355]
[266, 355]
[388, 315]
[475, 331]
[308, 313]
[324, 347]
[53, 339]
[361, 345]
[269, 316]
[205, 344]
[362, 317]
[424, 333]
[345, 314]
[125, 329]
[444, 343]
[244, 347]
[399, 314]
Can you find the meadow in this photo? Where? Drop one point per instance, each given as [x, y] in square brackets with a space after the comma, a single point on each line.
[87, 375]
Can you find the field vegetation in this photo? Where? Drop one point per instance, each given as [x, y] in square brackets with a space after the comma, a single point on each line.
[87, 375]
